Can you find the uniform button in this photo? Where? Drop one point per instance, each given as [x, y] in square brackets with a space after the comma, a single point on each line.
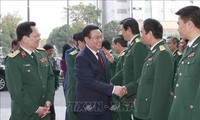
[175, 97]
[191, 106]
[147, 64]
[182, 62]
[174, 79]
[46, 65]
[43, 86]
[146, 99]
[123, 64]
[43, 96]
[29, 70]
[176, 74]
[176, 85]
[180, 74]
[188, 62]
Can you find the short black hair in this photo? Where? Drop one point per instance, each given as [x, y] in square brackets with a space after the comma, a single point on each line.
[132, 24]
[48, 46]
[190, 13]
[64, 48]
[174, 39]
[154, 26]
[87, 29]
[78, 37]
[14, 42]
[24, 29]
[119, 39]
[106, 44]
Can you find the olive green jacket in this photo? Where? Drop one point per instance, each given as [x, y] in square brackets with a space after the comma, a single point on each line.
[186, 101]
[71, 83]
[132, 67]
[119, 67]
[112, 66]
[30, 82]
[153, 100]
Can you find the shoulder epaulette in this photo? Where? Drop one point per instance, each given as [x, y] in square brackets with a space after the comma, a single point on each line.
[73, 52]
[12, 55]
[122, 54]
[137, 40]
[40, 49]
[161, 47]
[179, 53]
[195, 45]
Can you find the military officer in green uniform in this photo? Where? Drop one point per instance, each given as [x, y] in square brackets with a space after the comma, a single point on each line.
[111, 56]
[133, 61]
[29, 77]
[71, 82]
[153, 100]
[119, 46]
[186, 102]
[173, 44]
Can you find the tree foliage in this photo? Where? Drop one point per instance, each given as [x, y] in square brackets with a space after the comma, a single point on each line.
[8, 33]
[81, 15]
[58, 36]
[111, 30]
[88, 14]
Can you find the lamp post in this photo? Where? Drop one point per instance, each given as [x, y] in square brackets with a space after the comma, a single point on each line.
[68, 33]
[28, 11]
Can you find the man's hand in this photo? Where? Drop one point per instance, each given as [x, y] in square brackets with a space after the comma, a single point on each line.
[109, 57]
[41, 111]
[120, 91]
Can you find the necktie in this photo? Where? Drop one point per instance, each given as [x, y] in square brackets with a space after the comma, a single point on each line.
[34, 56]
[100, 60]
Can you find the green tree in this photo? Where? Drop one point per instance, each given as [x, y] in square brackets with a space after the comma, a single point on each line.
[58, 37]
[81, 15]
[8, 33]
[111, 29]
[88, 14]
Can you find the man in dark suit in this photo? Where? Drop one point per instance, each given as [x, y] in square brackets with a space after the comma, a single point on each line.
[93, 88]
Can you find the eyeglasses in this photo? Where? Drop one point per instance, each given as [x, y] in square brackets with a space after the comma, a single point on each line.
[97, 37]
[35, 36]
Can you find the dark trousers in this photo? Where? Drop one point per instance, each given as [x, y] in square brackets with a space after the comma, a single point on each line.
[84, 116]
[52, 112]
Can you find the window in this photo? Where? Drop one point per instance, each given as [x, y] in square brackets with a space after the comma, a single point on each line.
[121, 11]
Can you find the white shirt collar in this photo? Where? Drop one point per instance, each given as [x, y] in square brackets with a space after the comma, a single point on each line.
[94, 52]
[191, 42]
[129, 42]
[28, 51]
[155, 44]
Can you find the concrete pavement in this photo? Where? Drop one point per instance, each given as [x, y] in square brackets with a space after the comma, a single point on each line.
[59, 105]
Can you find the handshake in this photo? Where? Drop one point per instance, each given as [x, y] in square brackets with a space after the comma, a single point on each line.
[120, 91]
[42, 111]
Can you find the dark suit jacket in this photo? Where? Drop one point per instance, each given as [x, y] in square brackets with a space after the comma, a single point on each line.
[93, 89]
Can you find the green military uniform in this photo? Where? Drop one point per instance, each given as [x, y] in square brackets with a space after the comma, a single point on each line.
[112, 66]
[185, 105]
[153, 100]
[177, 56]
[30, 81]
[71, 82]
[132, 66]
[116, 106]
